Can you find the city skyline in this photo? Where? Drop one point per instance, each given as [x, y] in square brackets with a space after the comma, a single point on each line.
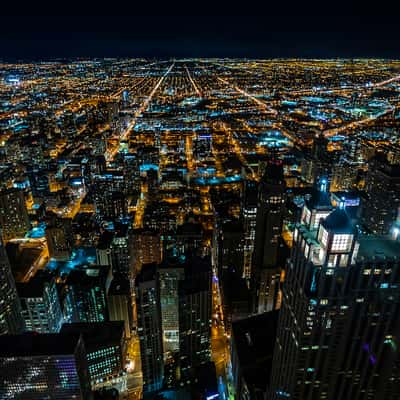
[200, 228]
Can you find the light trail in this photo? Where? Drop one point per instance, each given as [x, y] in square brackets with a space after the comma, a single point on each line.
[251, 97]
[193, 83]
[124, 135]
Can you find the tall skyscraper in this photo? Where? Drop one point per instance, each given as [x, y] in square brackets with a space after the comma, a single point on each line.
[170, 273]
[44, 366]
[120, 252]
[146, 248]
[382, 186]
[249, 217]
[195, 305]
[104, 344]
[14, 220]
[119, 302]
[58, 242]
[40, 303]
[11, 321]
[270, 210]
[339, 316]
[149, 327]
[85, 295]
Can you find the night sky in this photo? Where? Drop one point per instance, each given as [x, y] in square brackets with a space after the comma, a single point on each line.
[320, 33]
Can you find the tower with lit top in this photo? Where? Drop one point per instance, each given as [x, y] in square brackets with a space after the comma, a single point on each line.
[339, 322]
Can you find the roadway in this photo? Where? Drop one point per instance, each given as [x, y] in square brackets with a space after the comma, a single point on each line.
[110, 154]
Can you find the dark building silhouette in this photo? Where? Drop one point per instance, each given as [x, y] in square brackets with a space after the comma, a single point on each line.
[270, 211]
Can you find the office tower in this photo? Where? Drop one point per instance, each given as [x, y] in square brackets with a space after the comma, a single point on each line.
[320, 144]
[189, 238]
[170, 272]
[382, 186]
[58, 242]
[339, 316]
[85, 295]
[11, 321]
[120, 251]
[103, 248]
[249, 213]
[119, 302]
[146, 248]
[40, 304]
[270, 210]
[195, 304]
[104, 344]
[14, 220]
[344, 175]
[230, 247]
[149, 327]
[43, 366]
[251, 347]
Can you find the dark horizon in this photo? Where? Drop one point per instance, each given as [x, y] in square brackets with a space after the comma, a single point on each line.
[273, 36]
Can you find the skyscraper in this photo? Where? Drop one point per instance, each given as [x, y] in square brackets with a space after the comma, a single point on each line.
[170, 273]
[104, 344]
[249, 214]
[270, 210]
[382, 186]
[149, 327]
[85, 295]
[40, 303]
[11, 321]
[339, 314]
[195, 304]
[14, 220]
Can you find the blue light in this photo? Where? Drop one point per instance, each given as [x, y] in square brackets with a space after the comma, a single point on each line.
[384, 285]
[147, 167]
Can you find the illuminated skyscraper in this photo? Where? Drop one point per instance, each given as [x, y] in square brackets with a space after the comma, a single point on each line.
[382, 186]
[249, 214]
[169, 275]
[14, 220]
[339, 316]
[40, 303]
[85, 295]
[149, 328]
[104, 344]
[195, 304]
[11, 321]
[270, 210]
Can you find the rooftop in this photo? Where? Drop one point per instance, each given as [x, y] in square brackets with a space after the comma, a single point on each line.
[32, 344]
[378, 247]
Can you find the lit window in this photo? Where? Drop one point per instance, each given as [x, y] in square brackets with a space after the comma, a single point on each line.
[342, 242]
[367, 272]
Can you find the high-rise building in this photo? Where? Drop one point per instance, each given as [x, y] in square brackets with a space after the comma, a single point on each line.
[339, 316]
[58, 242]
[249, 214]
[43, 366]
[149, 327]
[120, 251]
[146, 248]
[104, 343]
[270, 211]
[119, 302]
[14, 219]
[11, 321]
[40, 304]
[382, 186]
[85, 295]
[170, 273]
[195, 305]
